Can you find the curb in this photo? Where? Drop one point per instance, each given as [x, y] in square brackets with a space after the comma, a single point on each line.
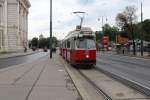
[143, 57]
[77, 84]
[19, 55]
[134, 56]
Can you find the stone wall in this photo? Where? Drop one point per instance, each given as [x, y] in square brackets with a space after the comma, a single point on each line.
[13, 24]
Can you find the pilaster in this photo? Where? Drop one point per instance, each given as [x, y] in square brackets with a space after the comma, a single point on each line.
[5, 27]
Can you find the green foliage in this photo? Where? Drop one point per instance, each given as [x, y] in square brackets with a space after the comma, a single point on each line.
[146, 29]
[99, 35]
[111, 32]
[126, 20]
[43, 42]
[34, 42]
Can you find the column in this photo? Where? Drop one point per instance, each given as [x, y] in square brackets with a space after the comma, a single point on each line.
[5, 36]
[18, 24]
[27, 27]
[1, 26]
[21, 26]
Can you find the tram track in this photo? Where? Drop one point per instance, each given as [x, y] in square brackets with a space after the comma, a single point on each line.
[103, 85]
[76, 75]
[145, 90]
[105, 91]
[95, 86]
[130, 83]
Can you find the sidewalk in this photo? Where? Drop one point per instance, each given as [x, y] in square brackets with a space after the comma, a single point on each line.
[16, 54]
[44, 79]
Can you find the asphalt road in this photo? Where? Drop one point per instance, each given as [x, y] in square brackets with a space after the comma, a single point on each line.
[8, 62]
[135, 69]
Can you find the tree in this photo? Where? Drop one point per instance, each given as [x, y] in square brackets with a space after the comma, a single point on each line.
[54, 42]
[111, 32]
[34, 42]
[146, 29]
[43, 42]
[29, 44]
[99, 36]
[126, 21]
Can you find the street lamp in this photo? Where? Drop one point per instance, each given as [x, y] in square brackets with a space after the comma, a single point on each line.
[50, 42]
[141, 29]
[103, 18]
[102, 23]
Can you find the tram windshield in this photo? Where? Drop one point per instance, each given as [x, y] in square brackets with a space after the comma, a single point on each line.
[86, 43]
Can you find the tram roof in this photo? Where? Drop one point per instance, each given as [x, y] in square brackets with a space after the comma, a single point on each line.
[76, 32]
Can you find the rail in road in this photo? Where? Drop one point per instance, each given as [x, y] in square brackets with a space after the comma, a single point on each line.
[101, 86]
[98, 89]
[127, 70]
[107, 87]
[135, 85]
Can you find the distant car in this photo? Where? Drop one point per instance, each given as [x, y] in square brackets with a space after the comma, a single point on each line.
[45, 49]
[33, 48]
[109, 48]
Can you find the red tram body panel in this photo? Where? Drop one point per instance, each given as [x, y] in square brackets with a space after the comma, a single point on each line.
[82, 57]
[79, 47]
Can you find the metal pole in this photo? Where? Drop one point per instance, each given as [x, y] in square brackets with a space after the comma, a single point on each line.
[134, 48]
[1, 38]
[50, 44]
[102, 24]
[141, 29]
[103, 30]
[81, 22]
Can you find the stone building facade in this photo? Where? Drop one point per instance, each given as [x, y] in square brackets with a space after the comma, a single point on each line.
[13, 24]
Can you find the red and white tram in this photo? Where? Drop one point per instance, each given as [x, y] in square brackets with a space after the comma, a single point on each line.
[79, 47]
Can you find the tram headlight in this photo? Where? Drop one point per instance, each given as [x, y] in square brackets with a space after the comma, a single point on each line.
[87, 56]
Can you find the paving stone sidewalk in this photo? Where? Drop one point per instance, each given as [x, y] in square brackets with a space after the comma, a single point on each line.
[43, 79]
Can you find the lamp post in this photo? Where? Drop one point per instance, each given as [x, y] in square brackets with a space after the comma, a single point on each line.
[50, 42]
[0, 29]
[102, 23]
[141, 29]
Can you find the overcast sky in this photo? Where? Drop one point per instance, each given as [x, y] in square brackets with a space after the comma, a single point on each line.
[64, 20]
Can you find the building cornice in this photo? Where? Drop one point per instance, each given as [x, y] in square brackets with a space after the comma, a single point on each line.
[1, 1]
[25, 3]
[28, 3]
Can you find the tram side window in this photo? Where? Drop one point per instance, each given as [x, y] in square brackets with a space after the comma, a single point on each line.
[72, 44]
[68, 44]
[65, 44]
[62, 45]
